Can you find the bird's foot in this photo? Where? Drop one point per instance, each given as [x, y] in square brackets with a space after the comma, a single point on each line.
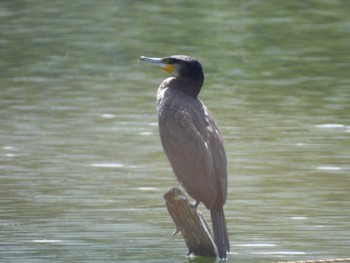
[176, 231]
[194, 204]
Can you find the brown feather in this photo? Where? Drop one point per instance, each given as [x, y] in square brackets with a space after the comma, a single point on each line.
[193, 145]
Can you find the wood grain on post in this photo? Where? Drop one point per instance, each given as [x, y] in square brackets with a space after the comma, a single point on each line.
[191, 223]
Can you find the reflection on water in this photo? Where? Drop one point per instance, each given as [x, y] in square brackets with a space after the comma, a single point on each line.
[82, 172]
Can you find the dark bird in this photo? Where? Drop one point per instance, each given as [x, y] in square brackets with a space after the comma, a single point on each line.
[191, 139]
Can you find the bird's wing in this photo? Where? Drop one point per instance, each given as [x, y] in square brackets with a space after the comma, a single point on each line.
[219, 175]
[194, 148]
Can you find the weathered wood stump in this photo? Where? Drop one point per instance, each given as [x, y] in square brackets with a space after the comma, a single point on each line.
[196, 231]
[191, 223]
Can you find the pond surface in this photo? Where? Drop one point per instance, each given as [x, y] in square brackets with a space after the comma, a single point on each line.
[82, 172]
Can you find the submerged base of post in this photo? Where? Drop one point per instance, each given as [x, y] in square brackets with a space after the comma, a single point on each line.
[191, 223]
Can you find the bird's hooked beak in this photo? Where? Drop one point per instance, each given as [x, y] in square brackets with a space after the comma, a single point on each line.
[160, 62]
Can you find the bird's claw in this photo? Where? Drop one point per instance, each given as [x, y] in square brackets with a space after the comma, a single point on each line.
[194, 204]
[176, 231]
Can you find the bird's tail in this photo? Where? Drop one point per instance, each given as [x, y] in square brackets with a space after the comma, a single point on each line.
[220, 232]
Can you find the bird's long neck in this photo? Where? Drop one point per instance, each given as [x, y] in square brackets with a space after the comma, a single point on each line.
[188, 85]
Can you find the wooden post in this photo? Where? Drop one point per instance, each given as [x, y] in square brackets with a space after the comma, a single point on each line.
[196, 231]
[191, 223]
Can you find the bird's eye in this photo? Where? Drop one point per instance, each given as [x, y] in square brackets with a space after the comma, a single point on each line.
[166, 60]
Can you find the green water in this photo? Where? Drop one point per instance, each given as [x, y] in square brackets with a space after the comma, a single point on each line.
[82, 172]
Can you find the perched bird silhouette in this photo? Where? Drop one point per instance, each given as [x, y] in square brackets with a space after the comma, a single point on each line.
[191, 139]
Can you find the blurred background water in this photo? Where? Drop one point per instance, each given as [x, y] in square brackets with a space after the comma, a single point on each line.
[82, 172]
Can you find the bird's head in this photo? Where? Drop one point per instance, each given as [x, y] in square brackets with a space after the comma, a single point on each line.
[183, 67]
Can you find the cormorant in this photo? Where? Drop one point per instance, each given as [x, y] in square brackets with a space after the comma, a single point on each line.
[191, 139]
